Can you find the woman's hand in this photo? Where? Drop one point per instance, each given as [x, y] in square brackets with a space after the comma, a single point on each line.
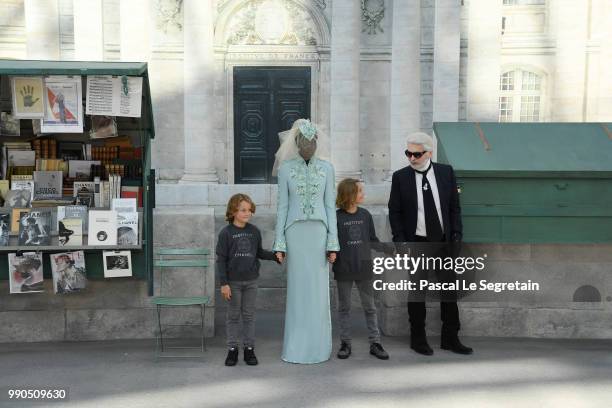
[280, 256]
[226, 292]
[331, 257]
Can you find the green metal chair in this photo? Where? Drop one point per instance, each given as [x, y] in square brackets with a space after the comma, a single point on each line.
[179, 258]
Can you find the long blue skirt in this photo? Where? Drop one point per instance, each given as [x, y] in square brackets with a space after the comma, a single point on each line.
[307, 316]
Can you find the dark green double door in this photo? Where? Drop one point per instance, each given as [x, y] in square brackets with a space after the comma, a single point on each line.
[267, 100]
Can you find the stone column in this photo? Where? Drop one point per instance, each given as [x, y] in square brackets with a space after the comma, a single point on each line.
[42, 29]
[447, 33]
[484, 48]
[88, 30]
[605, 84]
[568, 102]
[199, 66]
[405, 108]
[345, 56]
[135, 17]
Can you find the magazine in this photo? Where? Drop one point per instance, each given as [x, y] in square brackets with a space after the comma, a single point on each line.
[69, 273]
[35, 228]
[26, 272]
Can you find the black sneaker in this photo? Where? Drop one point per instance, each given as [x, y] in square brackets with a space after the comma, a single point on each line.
[376, 349]
[232, 357]
[249, 356]
[345, 351]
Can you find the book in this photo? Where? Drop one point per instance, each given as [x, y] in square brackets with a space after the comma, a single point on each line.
[73, 211]
[70, 232]
[123, 205]
[69, 200]
[132, 192]
[21, 158]
[102, 228]
[35, 228]
[26, 272]
[9, 125]
[84, 192]
[52, 165]
[70, 151]
[81, 169]
[97, 192]
[23, 182]
[18, 199]
[127, 228]
[5, 227]
[5, 186]
[47, 185]
[16, 217]
[105, 194]
[117, 263]
[68, 271]
[103, 127]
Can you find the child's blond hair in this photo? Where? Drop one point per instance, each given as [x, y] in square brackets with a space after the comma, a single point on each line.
[234, 203]
[347, 193]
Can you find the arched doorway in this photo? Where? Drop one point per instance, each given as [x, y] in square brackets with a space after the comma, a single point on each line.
[272, 52]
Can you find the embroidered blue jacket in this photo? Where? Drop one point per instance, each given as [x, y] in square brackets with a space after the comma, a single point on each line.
[306, 192]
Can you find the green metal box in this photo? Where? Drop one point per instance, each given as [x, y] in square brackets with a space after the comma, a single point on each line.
[531, 183]
[143, 128]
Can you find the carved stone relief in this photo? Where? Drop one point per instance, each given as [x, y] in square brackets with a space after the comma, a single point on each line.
[271, 22]
[372, 13]
[169, 15]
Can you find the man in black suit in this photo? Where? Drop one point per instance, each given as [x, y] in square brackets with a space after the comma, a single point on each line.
[424, 207]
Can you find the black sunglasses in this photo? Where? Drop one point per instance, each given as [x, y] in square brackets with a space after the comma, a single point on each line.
[417, 155]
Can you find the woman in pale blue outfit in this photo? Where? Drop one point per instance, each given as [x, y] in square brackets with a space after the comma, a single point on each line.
[306, 232]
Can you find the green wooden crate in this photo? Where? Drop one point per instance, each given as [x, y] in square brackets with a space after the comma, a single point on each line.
[531, 182]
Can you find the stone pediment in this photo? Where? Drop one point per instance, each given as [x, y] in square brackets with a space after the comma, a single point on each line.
[271, 22]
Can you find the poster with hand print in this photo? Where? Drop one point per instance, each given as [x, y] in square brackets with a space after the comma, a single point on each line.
[28, 101]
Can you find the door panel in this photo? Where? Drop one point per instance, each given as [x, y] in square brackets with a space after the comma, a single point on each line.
[267, 100]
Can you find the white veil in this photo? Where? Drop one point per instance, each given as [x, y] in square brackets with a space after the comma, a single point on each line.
[288, 147]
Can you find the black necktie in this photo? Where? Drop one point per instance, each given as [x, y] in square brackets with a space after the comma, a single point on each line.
[432, 221]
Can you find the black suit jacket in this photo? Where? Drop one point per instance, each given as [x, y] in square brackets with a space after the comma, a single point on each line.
[403, 206]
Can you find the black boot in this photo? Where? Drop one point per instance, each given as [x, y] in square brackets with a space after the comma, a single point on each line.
[249, 356]
[418, 342]
[453, 344]
[345, 351]
[232, 357]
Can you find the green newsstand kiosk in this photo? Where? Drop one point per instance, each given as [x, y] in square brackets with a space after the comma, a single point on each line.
[531, 182]
[141, 132]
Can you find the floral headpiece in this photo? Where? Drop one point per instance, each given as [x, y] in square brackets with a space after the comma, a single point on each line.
[307, 129]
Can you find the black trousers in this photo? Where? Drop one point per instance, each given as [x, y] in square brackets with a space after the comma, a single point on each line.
[448, 302]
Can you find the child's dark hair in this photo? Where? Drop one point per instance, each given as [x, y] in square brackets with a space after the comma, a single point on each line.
[347, 193]
[234, 203]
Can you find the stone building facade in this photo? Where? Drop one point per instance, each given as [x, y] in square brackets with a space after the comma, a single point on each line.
[378, 70]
